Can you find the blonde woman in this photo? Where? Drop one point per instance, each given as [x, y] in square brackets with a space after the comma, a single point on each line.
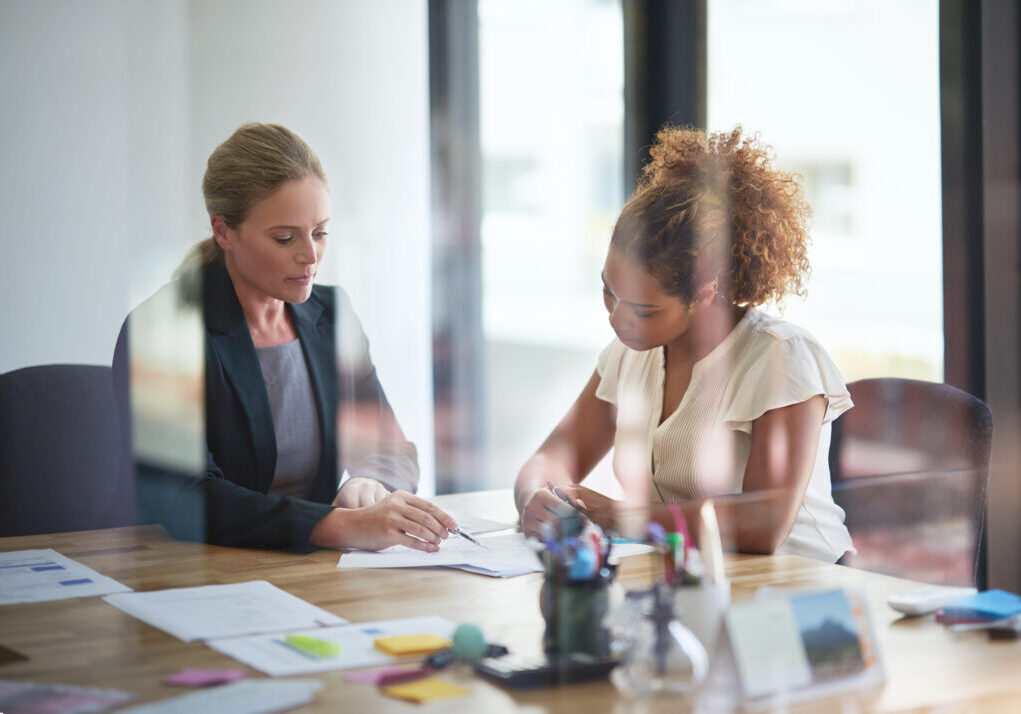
[291, 396]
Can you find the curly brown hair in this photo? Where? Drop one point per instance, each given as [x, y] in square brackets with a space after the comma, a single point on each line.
[712, 206]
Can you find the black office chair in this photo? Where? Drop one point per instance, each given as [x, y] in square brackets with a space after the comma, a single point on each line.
[909, 465]
[64, 461]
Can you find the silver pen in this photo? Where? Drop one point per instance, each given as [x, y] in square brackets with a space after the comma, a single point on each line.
[458, 531]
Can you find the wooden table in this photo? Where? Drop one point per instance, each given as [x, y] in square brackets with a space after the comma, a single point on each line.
[90, 643]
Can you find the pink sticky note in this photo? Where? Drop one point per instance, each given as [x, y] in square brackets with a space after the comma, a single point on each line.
[189, 677]
[375, 674]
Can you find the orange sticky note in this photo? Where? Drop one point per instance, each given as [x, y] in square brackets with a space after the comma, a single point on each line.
[423, 690]
[411, 645]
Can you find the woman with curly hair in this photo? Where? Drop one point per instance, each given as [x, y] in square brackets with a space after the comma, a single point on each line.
[702, 395]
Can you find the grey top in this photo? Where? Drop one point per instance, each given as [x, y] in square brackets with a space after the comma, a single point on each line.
[295, 422]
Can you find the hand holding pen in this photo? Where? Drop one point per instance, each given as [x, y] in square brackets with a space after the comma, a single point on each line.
[566, 499]
[542, 510]
[547, 506]
[593, 505]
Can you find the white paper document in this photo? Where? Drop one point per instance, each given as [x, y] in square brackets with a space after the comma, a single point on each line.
[271, 653]
[503, 555]
[39, 575]
[474, 525]
[210, 611]
[247, 697]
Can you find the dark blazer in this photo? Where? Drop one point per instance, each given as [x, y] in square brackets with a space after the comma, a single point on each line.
[229, 503]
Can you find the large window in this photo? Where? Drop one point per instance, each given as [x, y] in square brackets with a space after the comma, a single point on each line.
[848, 94]
[551, 104]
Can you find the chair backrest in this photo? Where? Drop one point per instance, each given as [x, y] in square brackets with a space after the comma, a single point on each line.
[909, 465]
[64, 461]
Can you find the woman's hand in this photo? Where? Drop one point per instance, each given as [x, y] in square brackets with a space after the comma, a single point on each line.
[399, 518]
[599, 509]
[578, 442]
[541, 507]
[359, 492]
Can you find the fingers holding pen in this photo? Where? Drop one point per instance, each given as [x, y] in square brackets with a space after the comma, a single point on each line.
[595, 506]
[426, 520]
[541, 508]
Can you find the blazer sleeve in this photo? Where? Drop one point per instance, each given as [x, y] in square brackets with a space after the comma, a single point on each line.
[372, 444]
[208, 508]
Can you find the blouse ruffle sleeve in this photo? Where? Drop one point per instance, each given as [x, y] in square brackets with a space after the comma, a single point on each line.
[608, 367]
[787, 371]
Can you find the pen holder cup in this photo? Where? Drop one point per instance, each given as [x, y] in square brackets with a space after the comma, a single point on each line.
[575, 614]
[700, 608]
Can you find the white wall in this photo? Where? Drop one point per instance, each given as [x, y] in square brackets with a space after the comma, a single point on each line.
[110, 110]
[82, 187]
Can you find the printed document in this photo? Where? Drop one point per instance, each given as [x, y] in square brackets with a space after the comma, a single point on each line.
[356, 642]
[39, 575]
[210, 611]
[503, 555]
[248, 697]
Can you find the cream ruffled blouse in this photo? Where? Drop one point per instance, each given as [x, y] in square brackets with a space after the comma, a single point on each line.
[702, 448]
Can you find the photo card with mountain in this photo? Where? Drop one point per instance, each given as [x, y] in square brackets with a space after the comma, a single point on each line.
[829, 634]
[792, 646]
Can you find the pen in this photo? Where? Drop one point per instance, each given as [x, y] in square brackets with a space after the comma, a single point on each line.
[458, 531]
[563, 497]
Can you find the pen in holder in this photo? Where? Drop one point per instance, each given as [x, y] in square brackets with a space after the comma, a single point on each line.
[575, 595]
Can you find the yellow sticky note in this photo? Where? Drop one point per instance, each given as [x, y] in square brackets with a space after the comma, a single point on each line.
[423, 690]
[409, 645]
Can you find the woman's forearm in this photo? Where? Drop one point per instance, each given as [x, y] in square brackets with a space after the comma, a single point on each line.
[756, 522]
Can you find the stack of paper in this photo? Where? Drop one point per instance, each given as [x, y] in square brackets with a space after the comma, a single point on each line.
[500, 555]
[503, 555]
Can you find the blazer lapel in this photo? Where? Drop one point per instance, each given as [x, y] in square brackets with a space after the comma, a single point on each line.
[232, 345]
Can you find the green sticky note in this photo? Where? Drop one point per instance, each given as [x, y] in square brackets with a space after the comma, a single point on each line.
[313, 645]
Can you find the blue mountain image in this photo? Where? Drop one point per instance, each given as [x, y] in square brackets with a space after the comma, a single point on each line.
[832, 649]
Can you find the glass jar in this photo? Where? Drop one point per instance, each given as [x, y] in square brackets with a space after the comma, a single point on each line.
[658, 653]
